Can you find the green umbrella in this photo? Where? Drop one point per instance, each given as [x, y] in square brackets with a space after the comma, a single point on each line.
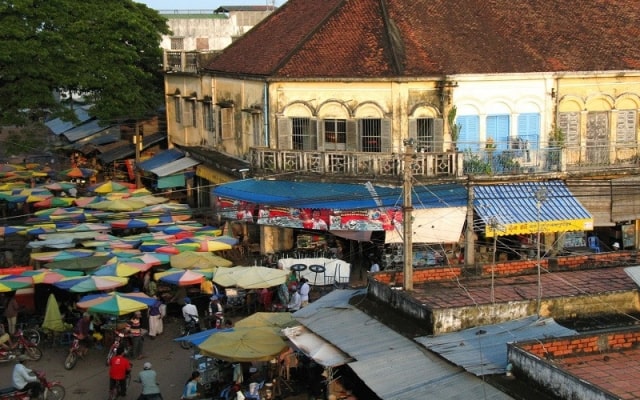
[52, 317]
[79, 264]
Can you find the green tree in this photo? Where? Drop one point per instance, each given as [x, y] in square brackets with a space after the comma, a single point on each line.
[106, 50]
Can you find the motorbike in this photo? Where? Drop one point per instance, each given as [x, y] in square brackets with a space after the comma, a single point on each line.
[190, 327]
[118, 341]
[74, 353]
[52, 390]
[21, 345]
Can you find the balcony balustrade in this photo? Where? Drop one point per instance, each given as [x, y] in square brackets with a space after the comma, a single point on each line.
[486, 161]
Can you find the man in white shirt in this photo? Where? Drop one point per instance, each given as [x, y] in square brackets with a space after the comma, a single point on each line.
[304, 292]
[295, 301]
[25, 379]
[189, 311]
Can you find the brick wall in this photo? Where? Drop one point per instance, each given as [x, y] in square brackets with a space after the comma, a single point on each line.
[515, 267]
[582, 344]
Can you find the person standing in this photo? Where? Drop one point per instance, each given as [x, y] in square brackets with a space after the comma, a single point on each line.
[375, 267]
[295, 300]
[135, 333]
[150, 385]
[305, 288]
[190, 311]
[155, 319]
[11, 313]
[119, 367]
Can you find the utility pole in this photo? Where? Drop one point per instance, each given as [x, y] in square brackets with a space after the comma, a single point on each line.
[541, 196]
[137, 142]
[407, 209]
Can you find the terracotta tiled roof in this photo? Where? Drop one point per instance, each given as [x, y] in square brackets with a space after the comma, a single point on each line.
[387, 38]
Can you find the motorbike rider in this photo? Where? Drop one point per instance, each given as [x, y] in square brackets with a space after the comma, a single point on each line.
[190, 312]
[5, 339]
[150, 386]
[26, 379]
[119, 367]
[82, 331]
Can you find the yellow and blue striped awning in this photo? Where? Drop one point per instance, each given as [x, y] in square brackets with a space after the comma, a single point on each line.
[529, 207]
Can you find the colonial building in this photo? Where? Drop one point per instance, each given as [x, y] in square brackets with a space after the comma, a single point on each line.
[485, 93]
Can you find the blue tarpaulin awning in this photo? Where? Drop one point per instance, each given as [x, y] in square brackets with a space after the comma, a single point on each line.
[530, 207]
[161, 158]
[342, 196]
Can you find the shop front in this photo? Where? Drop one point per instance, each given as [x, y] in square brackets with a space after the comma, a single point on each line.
[328, 220]
[516, 214]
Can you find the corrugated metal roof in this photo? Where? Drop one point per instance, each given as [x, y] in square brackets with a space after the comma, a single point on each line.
[392, 366]
[161, 158]
[175, 166]
[483, 350]
[124, 149]
[84, 130]
[59, 126]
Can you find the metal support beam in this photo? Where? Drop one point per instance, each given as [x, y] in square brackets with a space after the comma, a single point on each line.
[407, 211]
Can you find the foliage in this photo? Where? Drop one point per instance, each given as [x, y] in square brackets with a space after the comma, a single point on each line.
[107, 50]
[556, 137]
[25, 140]
[474, 164]
[454, 128]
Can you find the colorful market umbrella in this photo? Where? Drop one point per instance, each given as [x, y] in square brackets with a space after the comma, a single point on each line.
[192, 259]
[50, 276]
[60, 186]
[132, 223]
[117, 205]
[85, 201]
[8, 230]
[244, 345]
[213, 245]
[83, 284]
[250, 277]
[11, 285]
[180, 277]
[222, 239]
[178, 248]
[77, 172]
[109, 187]
[54, 202]
[121, 269]
[154, 258]
[115, 303]
[63, 255]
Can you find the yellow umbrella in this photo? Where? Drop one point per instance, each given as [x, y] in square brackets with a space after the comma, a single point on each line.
[244, 345]
[117, 205]
[250, 277]
[279, 320]
[193, 259]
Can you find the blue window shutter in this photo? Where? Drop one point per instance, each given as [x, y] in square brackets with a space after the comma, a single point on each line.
[529, 129]
[469, 132]
[498, 130]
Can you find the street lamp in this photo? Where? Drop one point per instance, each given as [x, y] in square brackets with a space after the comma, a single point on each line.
[541, 196]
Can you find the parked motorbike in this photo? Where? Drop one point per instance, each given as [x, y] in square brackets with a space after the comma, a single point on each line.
[193, 326]
[21, 345]
[117, 342]
[74, 353]
[52, 390]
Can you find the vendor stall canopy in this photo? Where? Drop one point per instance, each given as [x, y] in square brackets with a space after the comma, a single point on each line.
[339, 196]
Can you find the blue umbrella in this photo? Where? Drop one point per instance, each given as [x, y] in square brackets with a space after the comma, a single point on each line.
[197, 338]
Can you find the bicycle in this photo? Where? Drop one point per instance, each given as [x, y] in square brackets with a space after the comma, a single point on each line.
[117, 342]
